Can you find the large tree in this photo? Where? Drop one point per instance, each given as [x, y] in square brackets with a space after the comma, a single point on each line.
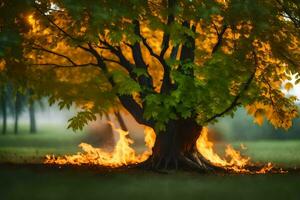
[175, 65]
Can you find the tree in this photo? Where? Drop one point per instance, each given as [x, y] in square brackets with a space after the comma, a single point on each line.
[18, 108]
[3, 110]
[31, 109]
[14, 102]
[3, 99]
[175, 65]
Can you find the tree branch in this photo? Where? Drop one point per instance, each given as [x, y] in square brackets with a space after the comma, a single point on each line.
[112, 61]
[295, 21]
[220, 38]
[54, 24]
[137, 112]
[160, 58]
[64, 66]
[166, 36]
[174, 52]
[40, 48]
[127, 101]
[237, 97]
[138, 59]
[216, 28]
[118, 52]
[290, 60]
[60, 29]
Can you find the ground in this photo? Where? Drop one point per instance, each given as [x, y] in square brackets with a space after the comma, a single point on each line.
[36, 181]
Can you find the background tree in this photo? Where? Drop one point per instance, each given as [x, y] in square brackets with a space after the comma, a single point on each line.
[175, 65]
[7, 104]
[3, 109]
[31, 109]
[3, 97]
[14, 102]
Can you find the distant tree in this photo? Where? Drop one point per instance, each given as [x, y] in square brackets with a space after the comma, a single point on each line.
[31, 109]
[3, 109]
[13, 103]
[3, 96]
[23, 101]
[175, 65]
[241, 128]
[6, 101]
[18, 108]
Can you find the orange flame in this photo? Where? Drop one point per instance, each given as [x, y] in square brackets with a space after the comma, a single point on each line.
[123, 153]
[234, 162]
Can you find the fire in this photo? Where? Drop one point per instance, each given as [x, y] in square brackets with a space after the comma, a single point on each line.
[234, 161]
[123, 154]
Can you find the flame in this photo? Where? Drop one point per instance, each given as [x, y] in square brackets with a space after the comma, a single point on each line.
[234, 161]
[123, 154]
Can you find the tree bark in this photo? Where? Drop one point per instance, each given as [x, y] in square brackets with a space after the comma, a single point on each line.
[176, 147]
[4, 113]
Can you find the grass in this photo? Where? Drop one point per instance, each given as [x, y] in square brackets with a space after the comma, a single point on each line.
[283, 153]
[36, 182]
[31, 148]
[44, 182]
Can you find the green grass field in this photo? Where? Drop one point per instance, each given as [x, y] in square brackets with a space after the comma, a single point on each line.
[31, 148]
[36, 181]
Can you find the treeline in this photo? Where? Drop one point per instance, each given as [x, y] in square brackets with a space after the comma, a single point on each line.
[14, 103]
[241, 127]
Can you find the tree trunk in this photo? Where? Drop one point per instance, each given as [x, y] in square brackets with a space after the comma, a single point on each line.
[121, 121]
[4, 113]
[32, 118]
[176, 147]
[17, 112]
[16, 126]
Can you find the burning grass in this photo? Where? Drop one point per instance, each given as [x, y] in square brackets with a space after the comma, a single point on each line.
[233, 160]
[123, 155]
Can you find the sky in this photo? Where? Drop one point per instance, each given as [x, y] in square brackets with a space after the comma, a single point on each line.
[296, 89]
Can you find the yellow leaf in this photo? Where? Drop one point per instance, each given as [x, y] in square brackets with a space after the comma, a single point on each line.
[288, 86]
[259, 119]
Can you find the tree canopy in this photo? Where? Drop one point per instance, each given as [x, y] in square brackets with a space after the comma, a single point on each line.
[161, 60]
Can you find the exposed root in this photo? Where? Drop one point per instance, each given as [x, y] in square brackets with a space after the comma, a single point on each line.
[192, 164]
[191, 161]
[197, 160]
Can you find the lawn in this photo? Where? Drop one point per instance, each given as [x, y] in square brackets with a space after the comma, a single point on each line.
[36, 181]
[31, 148]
